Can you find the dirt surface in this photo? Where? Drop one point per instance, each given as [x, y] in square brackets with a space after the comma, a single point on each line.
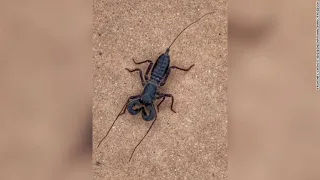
[189, 144]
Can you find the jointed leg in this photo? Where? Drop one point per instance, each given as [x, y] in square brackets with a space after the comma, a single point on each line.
[123, 110]
[163, 96]
[182, 69]
[149, 67]
[148, 70]
[173, 67]
[140, 73]
[149, 61]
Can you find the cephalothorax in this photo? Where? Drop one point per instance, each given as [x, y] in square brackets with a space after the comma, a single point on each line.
[144, 102]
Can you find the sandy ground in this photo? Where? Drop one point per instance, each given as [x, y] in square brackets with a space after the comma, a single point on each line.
[191, 144]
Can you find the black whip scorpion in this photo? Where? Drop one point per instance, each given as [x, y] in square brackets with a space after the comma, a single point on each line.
[144, 102]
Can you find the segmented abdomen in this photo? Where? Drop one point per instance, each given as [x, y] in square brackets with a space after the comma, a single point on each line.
[161, 68]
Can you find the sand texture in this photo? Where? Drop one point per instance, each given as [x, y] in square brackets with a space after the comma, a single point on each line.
[190, 144]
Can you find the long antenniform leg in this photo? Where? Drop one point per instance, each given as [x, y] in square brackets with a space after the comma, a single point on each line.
[149, 67]
[142, 139]
[163, 96]
[123, 110]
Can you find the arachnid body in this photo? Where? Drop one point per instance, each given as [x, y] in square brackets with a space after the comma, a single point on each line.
[144, 102]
